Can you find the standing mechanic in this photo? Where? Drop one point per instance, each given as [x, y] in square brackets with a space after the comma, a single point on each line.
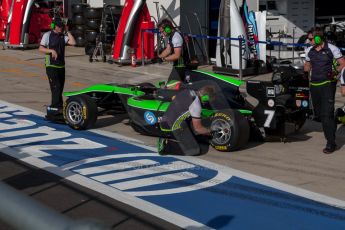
[174, 50]
[319, 60]
[53, 45]
[186, 106]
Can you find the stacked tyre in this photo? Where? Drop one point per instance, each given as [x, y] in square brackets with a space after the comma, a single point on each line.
[78, 21]
[93, 18]
[112, 16]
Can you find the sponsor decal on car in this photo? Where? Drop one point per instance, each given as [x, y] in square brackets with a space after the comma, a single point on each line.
[270, 102]
[270, 92]
[305, 103]
[298, 103]
[150, 118]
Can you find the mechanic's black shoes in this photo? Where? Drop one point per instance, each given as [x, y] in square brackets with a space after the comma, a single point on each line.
[54, 115]
[329, 149]
[55, 118]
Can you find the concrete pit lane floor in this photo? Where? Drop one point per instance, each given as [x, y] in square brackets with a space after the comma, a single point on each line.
[298, 162]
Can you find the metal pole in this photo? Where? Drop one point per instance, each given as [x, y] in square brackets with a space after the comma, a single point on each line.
[203, 40]
[22, 212]
[240, 57]
[142, 48]
[270, 41]
[226, 52]
[279, 45]
[157, 10]
[293, 47]
[190, 31]
[159, 39]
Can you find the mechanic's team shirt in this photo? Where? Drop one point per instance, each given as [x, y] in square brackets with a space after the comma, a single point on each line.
[186, 104]
[57, 42]
[176, 41]
[322, 62]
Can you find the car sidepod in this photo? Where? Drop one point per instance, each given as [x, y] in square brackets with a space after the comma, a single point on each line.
[144, 112]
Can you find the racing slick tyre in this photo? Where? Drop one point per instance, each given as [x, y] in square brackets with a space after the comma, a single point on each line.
[300, 123]
[230, 130]
[79, 27]
[79, 8]
[90, 36]
[298, 119]
[78, 33]
[80, 41]
[78, 19]
[93, 13]
[93, 24]
[80, 112]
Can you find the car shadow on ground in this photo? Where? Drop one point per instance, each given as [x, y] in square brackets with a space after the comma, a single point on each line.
[290, 136]
[109, 120]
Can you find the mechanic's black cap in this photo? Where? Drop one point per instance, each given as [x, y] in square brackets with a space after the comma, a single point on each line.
[58, 22]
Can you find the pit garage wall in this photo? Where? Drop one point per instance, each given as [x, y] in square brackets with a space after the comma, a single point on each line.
[179, 9]
[290, 14]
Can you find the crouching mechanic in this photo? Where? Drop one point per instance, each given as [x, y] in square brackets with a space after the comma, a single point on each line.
[183, 119]
[53, 45]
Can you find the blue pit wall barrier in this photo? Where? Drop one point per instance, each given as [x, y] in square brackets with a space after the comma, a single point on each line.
[273, 43]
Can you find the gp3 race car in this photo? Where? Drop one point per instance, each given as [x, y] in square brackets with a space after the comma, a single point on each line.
[232, 118]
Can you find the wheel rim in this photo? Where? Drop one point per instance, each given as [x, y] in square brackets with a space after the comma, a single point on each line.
[75, 113]
[222, 132]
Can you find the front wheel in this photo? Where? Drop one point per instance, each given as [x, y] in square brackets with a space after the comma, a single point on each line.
[230, 130]
[80, 112]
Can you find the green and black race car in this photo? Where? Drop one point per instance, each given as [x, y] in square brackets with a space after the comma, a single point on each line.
[232, 118]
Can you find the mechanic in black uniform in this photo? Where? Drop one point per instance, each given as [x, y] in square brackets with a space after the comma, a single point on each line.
[53, 45]
[183, 119]
[174, 50]
[319, 60]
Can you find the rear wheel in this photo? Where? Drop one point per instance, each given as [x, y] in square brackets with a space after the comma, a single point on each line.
[80, 112]
[230, 130]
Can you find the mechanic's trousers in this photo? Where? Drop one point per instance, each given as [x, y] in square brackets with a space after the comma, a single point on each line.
[177, 73]
[56, 77]
[186, 143]
[323, 98]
